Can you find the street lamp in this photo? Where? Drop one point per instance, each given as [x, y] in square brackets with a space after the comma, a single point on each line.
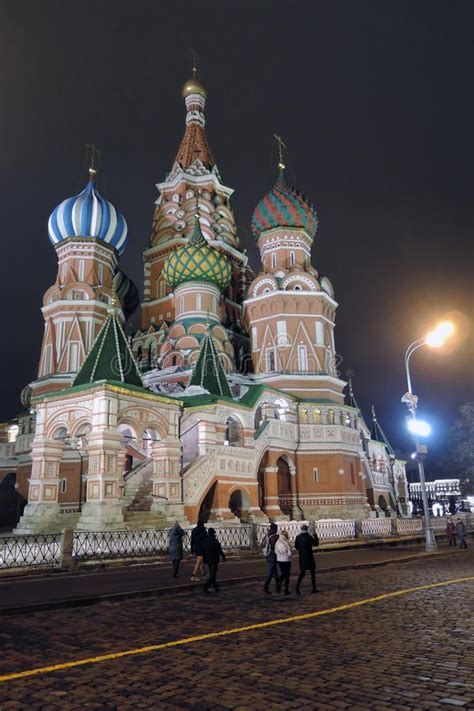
[434, 339]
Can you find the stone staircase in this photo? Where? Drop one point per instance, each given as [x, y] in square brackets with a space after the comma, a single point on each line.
[137, 500]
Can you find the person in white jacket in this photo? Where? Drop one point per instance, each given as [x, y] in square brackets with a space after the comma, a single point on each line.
[283, 556]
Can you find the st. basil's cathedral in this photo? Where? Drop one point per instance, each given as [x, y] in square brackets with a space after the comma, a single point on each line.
[226, 404]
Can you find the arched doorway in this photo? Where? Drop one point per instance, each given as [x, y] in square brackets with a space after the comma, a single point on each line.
[239, 504]
[207, 504]
[382, 502]
[11, 502]
[284, 485]
[234, 434]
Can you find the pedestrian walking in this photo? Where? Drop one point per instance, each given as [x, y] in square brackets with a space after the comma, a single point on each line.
[304, 544]
[451, 531]
[283, 556]
[270, 555]
[461, 533]
[198, 537]
[212, 554]
[175, 547]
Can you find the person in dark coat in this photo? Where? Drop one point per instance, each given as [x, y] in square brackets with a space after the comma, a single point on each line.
[451, 532]
[198, 538]
[175, 547]
[270, 555]
[304, 544]
[212, 554]
[461, 533]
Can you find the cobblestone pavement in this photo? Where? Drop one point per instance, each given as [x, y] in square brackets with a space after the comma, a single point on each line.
[415, 651]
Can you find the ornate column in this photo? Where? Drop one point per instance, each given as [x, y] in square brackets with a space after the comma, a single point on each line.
[42, 512]
[272, 507]
[166, 478]
[103, 508]
[296, 511]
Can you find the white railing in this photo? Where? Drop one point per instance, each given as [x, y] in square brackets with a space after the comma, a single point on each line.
[377, 527]
[409, 525]
[335, 530]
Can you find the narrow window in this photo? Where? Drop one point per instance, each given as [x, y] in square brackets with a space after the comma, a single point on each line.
[274, 261]
[100, 273]
[282, 339]
[63, 486]
[270, 360]
[198, 302]
[254, 338]
[316, 475]
[302, 358]
[48, 360]
[80, 271]
[73, 357]
[292, 259]
[319, 333]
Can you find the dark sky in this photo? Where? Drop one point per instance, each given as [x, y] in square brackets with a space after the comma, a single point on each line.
[374, 100]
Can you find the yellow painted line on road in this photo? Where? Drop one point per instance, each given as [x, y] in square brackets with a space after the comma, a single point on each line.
[223, 633]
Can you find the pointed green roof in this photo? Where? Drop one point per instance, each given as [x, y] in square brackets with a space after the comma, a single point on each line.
[110, 357]
[379, 435]
[208, 372]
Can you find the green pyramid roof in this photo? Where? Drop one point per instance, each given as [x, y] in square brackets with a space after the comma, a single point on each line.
[110, 357]
[208, 372]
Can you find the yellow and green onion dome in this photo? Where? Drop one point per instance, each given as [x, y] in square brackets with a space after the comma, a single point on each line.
[196, 261]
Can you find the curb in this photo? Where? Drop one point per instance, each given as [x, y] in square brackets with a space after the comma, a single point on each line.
[162, 592]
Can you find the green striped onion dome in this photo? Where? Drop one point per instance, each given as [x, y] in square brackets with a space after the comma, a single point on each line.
[196, 261]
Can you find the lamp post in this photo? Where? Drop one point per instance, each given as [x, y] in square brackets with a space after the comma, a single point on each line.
[434, 339]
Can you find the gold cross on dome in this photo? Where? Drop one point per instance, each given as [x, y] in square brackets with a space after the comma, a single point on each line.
[281, 146]
[95, 153]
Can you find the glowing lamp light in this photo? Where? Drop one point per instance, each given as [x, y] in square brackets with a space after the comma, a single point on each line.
[440, 334]
[419, 427]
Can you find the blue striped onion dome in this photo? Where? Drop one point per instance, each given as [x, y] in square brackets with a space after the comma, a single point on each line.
[88, 215]
[196, 261]
[284, 206]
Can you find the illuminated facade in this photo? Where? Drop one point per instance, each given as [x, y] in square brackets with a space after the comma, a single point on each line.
[226, 403]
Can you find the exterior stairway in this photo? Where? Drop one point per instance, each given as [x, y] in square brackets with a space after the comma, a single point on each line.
[137, 499]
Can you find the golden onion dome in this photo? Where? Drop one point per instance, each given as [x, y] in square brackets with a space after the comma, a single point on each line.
[193, 86]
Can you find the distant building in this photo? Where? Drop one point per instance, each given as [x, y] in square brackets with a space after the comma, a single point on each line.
[227, 403]
[444, 496]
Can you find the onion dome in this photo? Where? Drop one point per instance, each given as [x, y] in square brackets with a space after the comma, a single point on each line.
[196, 261]
[284, 206]
[88, 215]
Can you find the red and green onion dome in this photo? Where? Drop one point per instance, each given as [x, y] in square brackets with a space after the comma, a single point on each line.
[284, 206]
[196, 261]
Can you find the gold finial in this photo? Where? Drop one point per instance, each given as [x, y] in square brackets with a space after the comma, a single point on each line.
[195, 71]
[194, 85]
[374, 416]
[95, 153]
[281, 146]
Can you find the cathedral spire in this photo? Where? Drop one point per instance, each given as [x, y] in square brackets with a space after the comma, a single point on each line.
[194, 146]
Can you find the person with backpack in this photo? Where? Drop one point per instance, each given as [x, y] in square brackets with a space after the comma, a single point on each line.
[270, 555]
[198, 537]
[283, 556]
[212, 554]
[304, 544]
[175, 548]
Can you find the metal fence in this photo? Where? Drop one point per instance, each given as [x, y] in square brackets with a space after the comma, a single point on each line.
[45, 549]
[108, 545]
[30, 551]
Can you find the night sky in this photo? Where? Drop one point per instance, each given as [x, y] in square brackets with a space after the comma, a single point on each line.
[374, 100]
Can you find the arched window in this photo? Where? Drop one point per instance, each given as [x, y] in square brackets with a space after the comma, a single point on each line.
[234, 434]
[80, 271]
